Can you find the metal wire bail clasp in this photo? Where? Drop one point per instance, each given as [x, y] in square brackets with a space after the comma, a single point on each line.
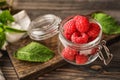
[107, 57]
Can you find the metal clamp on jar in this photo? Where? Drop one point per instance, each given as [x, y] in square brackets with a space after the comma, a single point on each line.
[109, 56]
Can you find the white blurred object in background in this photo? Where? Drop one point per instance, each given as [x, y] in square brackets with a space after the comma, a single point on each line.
[22, 22]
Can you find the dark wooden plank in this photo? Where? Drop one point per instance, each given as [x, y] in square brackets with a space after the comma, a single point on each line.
[7, 68]
[26, 69]
[94, 71]
[66, 4]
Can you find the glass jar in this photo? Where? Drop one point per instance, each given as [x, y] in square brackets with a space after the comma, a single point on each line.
[91, 49]
[44, 27]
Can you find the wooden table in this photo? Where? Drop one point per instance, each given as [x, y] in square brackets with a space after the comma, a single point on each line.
[63, 8]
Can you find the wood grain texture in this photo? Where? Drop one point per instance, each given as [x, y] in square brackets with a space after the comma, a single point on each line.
[94, 71]
[7, 68]
[25, 69]
[66, 4]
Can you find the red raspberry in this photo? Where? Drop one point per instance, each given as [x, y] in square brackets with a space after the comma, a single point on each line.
[69, 27]
[94, 30]
[82, 23]
[81, 59]
[79, 38]
[67, 36]
[91, 39]
[94, 51]
[69, 53]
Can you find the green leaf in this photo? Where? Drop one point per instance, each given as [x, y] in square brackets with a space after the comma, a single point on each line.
[10, 29]
[109, 24]
[2, 38]
[34, 52]
[1, 29]
[6, 17]
[1, 25]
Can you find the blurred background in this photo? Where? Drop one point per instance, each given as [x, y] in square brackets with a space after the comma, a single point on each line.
[63, 8]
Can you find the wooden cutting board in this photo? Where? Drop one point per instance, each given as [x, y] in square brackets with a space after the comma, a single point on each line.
[31, 70]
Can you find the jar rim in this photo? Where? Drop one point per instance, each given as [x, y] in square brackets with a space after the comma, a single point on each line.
[84, 45]
[46, 17]
[51, 20]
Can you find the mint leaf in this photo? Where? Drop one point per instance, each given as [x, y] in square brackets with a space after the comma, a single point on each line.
[1, 25]
[6, 17]
[34, 52]
[109, 24]
[2, 38]
[10, 29]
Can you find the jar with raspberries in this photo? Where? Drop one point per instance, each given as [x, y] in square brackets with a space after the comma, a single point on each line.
[80, 40]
